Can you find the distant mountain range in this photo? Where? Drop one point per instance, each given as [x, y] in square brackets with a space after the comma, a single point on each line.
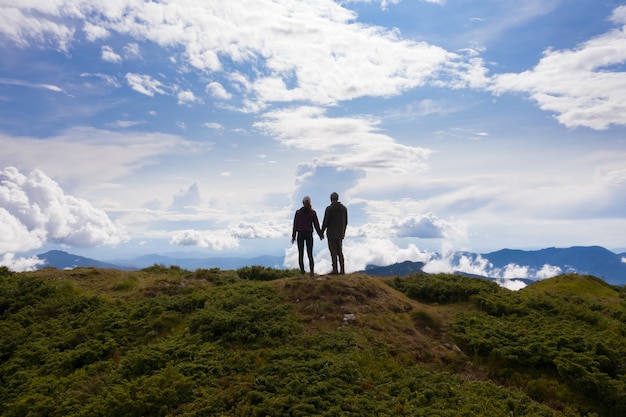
[400, 269]
[63, 260]
[583, 260]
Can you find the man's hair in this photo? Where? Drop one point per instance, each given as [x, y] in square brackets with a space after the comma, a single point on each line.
[334, 197]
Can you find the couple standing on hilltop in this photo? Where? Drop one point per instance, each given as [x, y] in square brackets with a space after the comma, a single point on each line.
[334, 224]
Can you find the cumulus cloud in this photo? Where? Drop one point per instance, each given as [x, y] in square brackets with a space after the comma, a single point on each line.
[20, 264]
[425, 227]
[95, 32]
[214, 240]
[187, 98]
[35, 210]
[451, 262]
[511, 284]
[583, 85]
[223, 239]
[548, 271]
[217, 90]
[109, 55]
[390, 219]
[509, 276]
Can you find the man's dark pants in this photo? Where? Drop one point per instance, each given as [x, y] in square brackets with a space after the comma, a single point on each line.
[335, 246]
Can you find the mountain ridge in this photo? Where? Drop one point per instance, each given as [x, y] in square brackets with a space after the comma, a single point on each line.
[584, 260]
[591, 260]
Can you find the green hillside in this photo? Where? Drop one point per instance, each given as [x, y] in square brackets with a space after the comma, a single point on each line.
[263, 342]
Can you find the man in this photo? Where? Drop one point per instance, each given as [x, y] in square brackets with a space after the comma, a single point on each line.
[335, 221]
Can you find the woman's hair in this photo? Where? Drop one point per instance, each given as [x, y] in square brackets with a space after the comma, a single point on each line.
[306, 202]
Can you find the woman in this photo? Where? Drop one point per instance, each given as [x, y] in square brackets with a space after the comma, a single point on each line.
[304, 221]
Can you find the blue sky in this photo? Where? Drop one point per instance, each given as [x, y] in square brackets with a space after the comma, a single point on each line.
[196, 127]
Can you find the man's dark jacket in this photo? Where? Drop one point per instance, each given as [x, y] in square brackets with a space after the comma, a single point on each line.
[335, 220]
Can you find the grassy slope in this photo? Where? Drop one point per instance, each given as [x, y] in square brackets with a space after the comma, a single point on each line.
[208, 343]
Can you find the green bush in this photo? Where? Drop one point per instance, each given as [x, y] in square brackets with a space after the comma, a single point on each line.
[443, 288]
[244, 314]
[5, 271]
[262, 273]
[240, 348]
[573, 342]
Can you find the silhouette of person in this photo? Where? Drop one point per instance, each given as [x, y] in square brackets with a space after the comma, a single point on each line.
[334, 224]
[304, 221]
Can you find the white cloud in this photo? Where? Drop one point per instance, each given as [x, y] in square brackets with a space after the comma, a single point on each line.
[213, 125]
[35, 210]
[580, 85]
[217, 90]
[511, 284]
[124, 123]
[64, 156]
[346, 142]
[624, 260]
[247, 230]
[186, 199]
[21, 83]
[359, 254]
[615, 178]
[320, 55]
[23, 26]
[95, 32]
[448, 262]
[548, 271]
[223, 239]
[15, 236]
[109, 55]
[132, 51]
[619, 15]
[317, 53]
[20, 264]
[514, 271]
[425, 227]
[187, 98]
[385, 3]
[214, 240]
[145, 84]
[509, 276]
[108, 79]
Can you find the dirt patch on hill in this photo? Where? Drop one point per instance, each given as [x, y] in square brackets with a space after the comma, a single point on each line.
[380, 313]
